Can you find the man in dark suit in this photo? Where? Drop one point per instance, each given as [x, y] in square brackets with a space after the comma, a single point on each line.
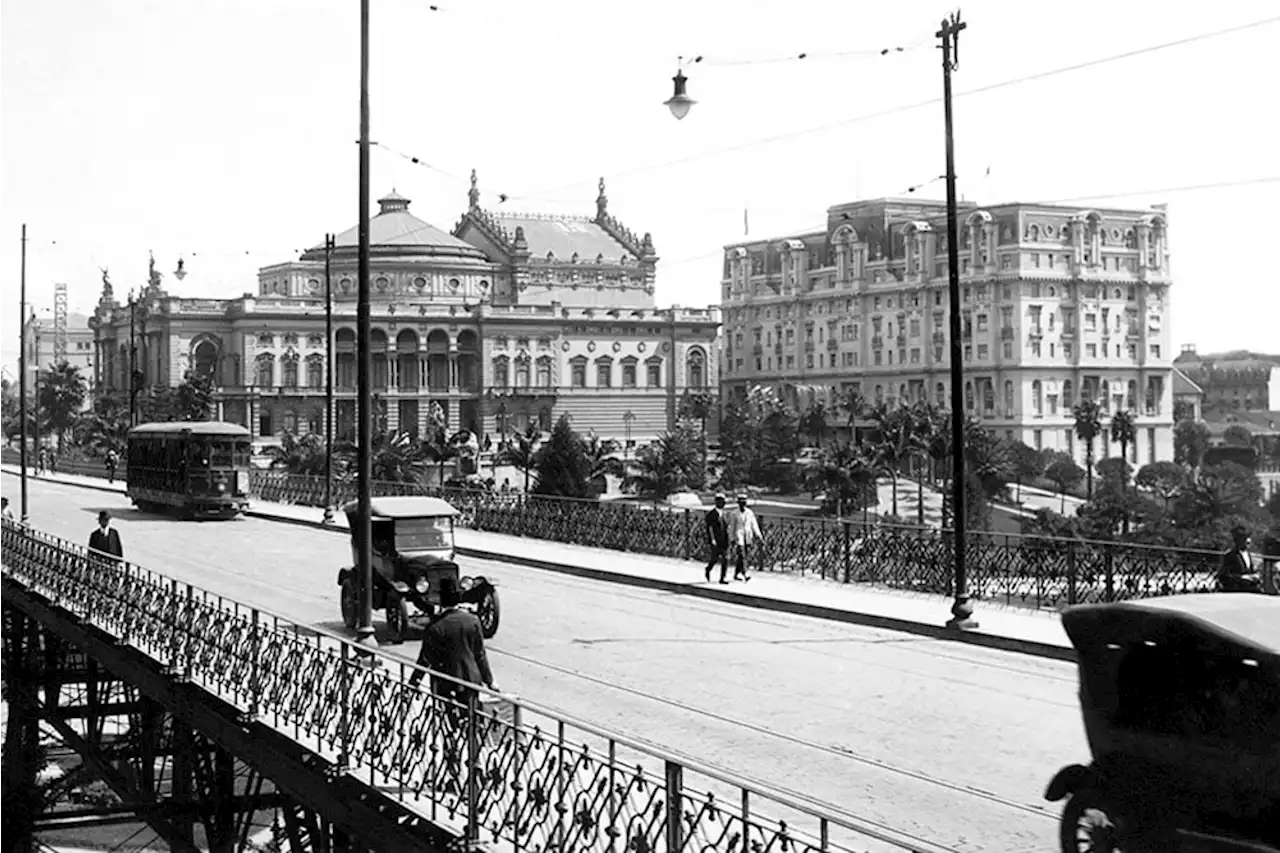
[1237, 573]
[453, 644]
[106, 539]
[718, 540]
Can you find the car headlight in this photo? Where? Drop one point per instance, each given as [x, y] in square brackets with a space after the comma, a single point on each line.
[466, 583]
[421, 586]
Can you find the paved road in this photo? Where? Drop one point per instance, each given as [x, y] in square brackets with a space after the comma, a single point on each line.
[950, 743]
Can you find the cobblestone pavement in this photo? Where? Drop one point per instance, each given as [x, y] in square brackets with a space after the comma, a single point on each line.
[950, 743]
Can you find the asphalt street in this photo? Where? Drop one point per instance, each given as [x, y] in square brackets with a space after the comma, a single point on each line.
[950, 743]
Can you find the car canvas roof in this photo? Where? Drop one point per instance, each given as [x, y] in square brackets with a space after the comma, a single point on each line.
[1251, 621]
[411, 506]
[193, 427]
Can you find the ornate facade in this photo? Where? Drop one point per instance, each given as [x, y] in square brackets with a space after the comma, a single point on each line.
[507, 321]
[1234, 381]
[1058, 304]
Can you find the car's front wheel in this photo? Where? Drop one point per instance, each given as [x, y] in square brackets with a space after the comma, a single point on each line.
[350, 603]
[397, 620]
[489, 612]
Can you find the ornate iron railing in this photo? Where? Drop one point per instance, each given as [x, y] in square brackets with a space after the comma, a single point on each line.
[1030, 571]
[1023, 570]
[514, 773]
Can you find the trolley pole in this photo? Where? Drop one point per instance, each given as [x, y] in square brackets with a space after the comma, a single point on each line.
[22, 371]
[364, 429]
[961, 608]
[328, 388]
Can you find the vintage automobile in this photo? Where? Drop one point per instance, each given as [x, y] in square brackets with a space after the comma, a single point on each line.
[1181, 703]
[413, 549]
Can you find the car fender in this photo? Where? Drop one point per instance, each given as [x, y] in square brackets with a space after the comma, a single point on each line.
[400, 587]
[1069, 780]
[343, 574]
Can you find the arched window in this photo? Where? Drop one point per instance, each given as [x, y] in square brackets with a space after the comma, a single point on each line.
[289, 371]
[1068, 395]
[940, 395]
[697, 369]
[522, 371]
[1008, 397]
[381, 373]
[344, 358]
[315, 370]
[204, 358]
[1131, 396]
[501, 372]
[544, 419]
[968, 396]
[543, 368]
[988, 398]
[264, 373]
[1037, 398]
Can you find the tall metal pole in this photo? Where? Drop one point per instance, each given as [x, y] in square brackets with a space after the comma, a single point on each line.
[22, 370]
[133, 365]
[364, 361]
[961, 608]
[328, 387]
[35, 399]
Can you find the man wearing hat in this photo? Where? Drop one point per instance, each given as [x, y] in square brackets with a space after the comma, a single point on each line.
[718, 539]
[453, 644]
[744, 532]
[105, 539]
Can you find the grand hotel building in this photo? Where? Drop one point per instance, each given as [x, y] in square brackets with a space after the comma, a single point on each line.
[1057, 304]
[507, 321]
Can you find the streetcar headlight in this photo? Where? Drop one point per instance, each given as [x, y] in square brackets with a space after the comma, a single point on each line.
[421, 586]
[466, 583]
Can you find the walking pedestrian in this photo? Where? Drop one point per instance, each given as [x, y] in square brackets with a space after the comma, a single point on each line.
[105, 539]
[718, 539]
[1238, 573]
[4, 509]
[453, 644]
[111, 463]
[744, 532]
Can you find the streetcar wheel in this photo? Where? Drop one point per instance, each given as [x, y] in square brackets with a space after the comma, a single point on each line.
[489, 612]
[1086, 827]
[350, 603]
[397, 620]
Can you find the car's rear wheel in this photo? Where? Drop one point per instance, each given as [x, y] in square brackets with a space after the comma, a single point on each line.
[489, 612]
[350, 603]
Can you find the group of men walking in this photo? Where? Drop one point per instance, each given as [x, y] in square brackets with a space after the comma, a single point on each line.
[737, 530]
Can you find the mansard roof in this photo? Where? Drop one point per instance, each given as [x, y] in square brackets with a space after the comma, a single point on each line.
[1182, 384]
[544, 237]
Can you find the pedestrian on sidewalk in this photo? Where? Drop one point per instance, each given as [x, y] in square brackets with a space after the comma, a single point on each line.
[111, 463]
[105, 539]
[744, 532]
[718, 539]
[4, 509]
[1238, 573]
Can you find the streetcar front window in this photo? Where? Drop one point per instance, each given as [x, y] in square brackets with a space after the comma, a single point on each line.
[243, 451]
[221, 453]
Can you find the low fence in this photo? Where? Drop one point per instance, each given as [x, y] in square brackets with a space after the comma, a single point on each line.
[512, 773]
[1030, 571]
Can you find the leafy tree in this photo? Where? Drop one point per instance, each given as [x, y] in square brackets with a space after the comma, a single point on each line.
[395, 457]
[847, 478]
[893, 447]
[1237, 436]
[1190, 441]
[602, 454]
[755, 433]
[1165, 480]
[521, 452]
[670, 464]
[1088, 425]
[1183, 411]
[814, 422]
[105, 428]
[1221, 491]
[1124, 431]
[1025, 463]
[12, 413]
[563, 467]
[698, 406]
[1113, 504]
[193, 399]
[306, 454]
[1114, 470]
[854, 406]
[61, 392]
[1064, 473]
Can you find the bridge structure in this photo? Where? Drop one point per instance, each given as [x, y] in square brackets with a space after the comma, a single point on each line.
[208, 717]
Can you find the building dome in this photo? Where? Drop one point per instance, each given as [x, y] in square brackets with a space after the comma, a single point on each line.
[395, 232]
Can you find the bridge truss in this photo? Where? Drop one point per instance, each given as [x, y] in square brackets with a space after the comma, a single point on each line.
[230, 712]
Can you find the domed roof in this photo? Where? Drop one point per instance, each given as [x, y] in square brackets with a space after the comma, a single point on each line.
[396, 231]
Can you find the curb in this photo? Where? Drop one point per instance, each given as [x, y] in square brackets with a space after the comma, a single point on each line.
[816, 611]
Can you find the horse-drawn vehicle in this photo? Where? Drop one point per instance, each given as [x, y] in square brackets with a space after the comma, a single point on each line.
[1181, 704]
[413, 550]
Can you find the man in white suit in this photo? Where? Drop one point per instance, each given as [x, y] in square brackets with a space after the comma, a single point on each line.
[744, 533]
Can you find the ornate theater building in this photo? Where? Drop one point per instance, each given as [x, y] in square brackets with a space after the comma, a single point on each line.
[508, 321]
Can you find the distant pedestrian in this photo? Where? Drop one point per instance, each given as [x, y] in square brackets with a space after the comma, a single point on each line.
[718, 540]
[5, 512]
[1238, 573]
[111, 463]
[744, 533]
[105, 539]
[39, 460]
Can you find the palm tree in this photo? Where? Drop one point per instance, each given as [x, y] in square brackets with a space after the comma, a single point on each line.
[61, 392]
[895, 427]
[104, 428]
[814, 422]
[666, 466]
[854, 406]
[601, 452]
[699, 406]
[521, 452]
[1088, 418]
[925, 421]
[396, 457]
[1124, 431]
[296, 454]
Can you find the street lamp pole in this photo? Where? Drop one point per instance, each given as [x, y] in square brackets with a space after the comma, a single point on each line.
[22, 370]
[364, 362]
[328, 383]
[626, 448]
[961, 608]
[133, 365]
[35, 401]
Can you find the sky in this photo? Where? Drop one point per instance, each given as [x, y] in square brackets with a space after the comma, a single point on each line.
[223, 131]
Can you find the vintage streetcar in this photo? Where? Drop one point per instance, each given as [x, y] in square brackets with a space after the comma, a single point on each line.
[413, 549]
[199, 468]
[1181, 704]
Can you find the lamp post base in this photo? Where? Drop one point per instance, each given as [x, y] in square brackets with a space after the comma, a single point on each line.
[962, 615]
[328, 516]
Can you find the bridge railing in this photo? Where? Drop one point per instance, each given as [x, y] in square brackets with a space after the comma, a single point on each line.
[1033, 571]
[498, 771]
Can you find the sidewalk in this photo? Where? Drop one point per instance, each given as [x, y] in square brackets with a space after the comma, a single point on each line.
[1014, 629]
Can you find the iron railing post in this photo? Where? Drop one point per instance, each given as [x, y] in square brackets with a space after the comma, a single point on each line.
[473, 765]
[674, 790]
